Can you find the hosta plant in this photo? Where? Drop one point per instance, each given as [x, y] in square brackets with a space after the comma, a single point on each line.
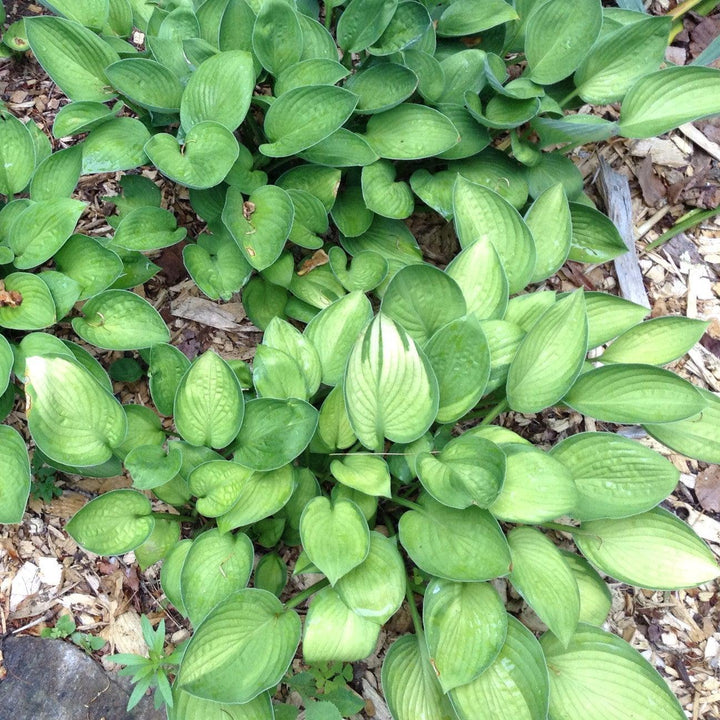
[363, 433]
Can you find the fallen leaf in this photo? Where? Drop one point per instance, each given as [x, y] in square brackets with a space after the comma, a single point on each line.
[707, 488]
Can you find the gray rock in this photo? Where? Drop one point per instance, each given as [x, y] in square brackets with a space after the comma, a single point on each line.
[54, 680]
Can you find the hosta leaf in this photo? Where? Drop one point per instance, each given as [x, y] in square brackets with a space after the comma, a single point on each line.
[541, 575]
[595, 596]
[382, 87]
[367, 271]
[573, 129]
[389, 238]
[409, 682]
[609, 316]
[363, 22]
[342, 148]
[695, 437]
[278, 375]
[495, 170]
[260, 225]
[170, 574]
[303, 117]
[435, 190]
[382, 194]
[274, 432]
[503, 339]
[215, 567]
[514, 687]
[14, 475]
[333, 423]
[189, 707]
[209, 404]
[333, 632]
[479, 213]
[334, 536]
[217, 484]
[409, 23]
[143, 428]
[430, 74]
[537, 487]
[81, 116]
[17, 155]
[550, 357]
[243, 647]
[386, 370]
[615, 61]
[90, 13]
[207, 156]
[42, 229]
[147, 83]
[283, 336]
[634, 393]
[463, 545]
[601, 677]
[467, 17]
[113, 523]
[615, 477]
[410, 132]
[465, 628]
[367, 473]
[557, 41]
[57, 175]
[277, 36]
[473, 136]
[654, 550]
[167, 367]
[665, 99]
[73, 56]
[549, 222]
[595, 239]
[6, 361]
[70, 416]
[151, 465]
[467, 471]
[64, 290]
[656, 342]
[148, 228]
[525, 310]
[219, 91]
[120, 320]
[317, 71]
[161, 540]
[375, 588]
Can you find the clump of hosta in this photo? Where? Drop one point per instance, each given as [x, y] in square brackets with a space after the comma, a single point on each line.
[362, 434]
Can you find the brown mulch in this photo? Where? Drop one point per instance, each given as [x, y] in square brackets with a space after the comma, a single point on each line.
[43, 573]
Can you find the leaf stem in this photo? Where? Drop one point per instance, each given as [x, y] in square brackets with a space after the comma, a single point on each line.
[568, 98]
[414, 614]
[301, 597]
[501, 407]
[682, 8]
[406, 503]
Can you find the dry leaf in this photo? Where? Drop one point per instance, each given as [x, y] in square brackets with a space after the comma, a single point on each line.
[707, 488]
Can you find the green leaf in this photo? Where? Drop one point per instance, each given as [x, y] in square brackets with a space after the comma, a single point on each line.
[334, 536]
[634, 393]
[274, 432]
[599, 676]
[463, 545]
[480, 213]
[467, 17]
[17, 155]
[386, 370]
[408, 25]
[595, 239]
[595, 596]
[367, 473]
[537, 487]
[410, 132]
[465, 628]
[409, 682]
[207, 156]
[277, 36]
[243, 647]
[64, 290]
[541, 575]
[495, 170]
[215, 567]
[556, 41]
[189, 707]
[695, 437]
[219, 91]
[503, 339]
[209, 404]
[146, 83]
[151, 465]
[164, 537]
[550, 357]
[302, 117]
[57, 175]
[260, 225]
[668, 98]
[71, 417]
[653, 550]
[143, 428]
[73, 56]
[341, 148]
[382, 194]
[615, 61]
[167, 367]
[14, 475]
[317, 71]
[281, 335]
[148, 228]
[548, 219]
[7, 360]
[170, 574]
[333, 632]
[656, 342]
[375, 588]
[609, 316]
[367, 271]
[77, 117]
[42, 229]
[363, 23]
[515, 686]
[113, 523]
[381, 87]
[615, 477]
[120, 320]
[467, 471]
[434, 190]
[217, 484]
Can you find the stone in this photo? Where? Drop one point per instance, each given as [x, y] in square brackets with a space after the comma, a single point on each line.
[46, 679]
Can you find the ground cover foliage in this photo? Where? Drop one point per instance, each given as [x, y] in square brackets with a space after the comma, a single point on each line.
[307, 134]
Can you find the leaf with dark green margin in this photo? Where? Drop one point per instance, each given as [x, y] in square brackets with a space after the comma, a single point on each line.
[14, 474]
[595, 596]
[151, 465]
[71, 417]
[274, 432]
[363, 23]
[653, 550]
[189, 707]
[209, 403]
[599, 676]
[595, 239]
[167, 367]
[73, 56]
[463, 545]
[120, 320]
[148, 228]
[335, 536]
[467, 17]
[113, 523]
[548, 219]
[465, 629]
[514, 686]
[615, 477]
[381, 87]
[146, 83]
[243, 647]
[277, 36]
[57, 175]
